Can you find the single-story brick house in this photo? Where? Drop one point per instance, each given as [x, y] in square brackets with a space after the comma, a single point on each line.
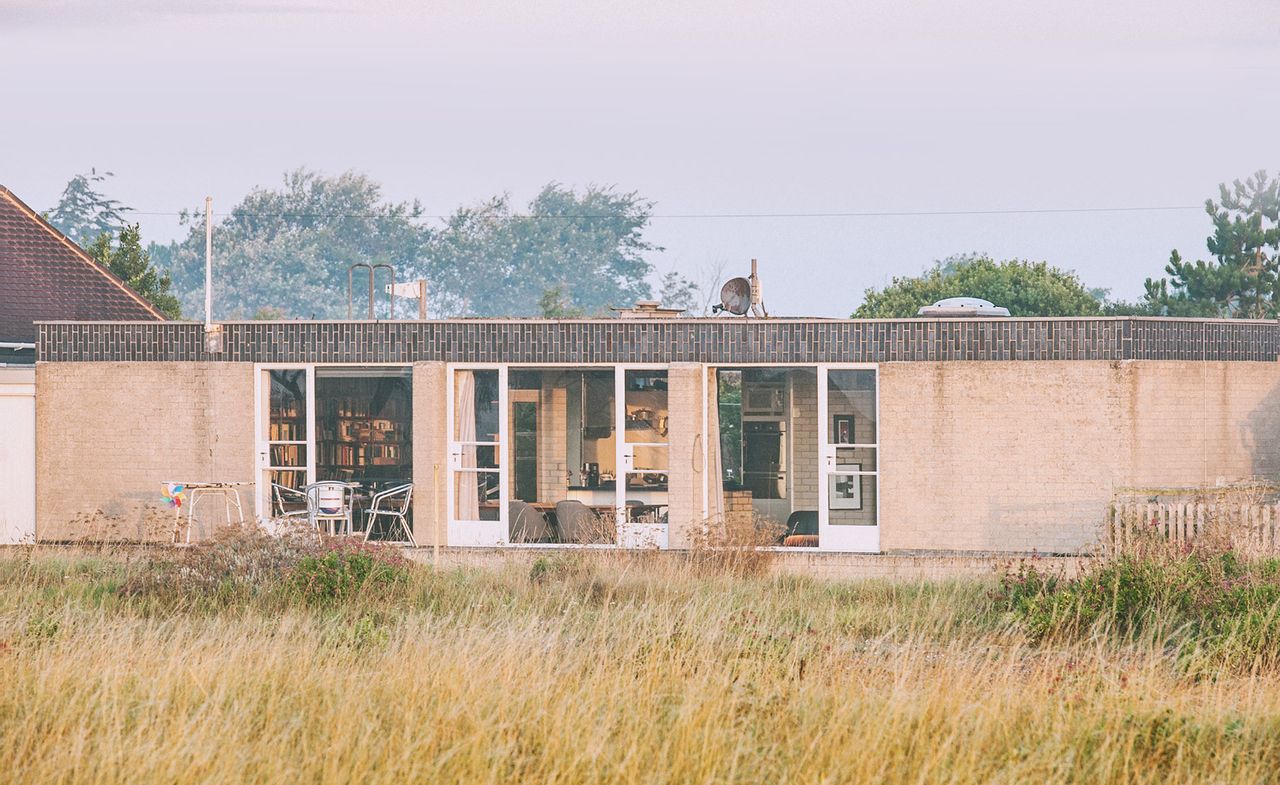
[930, 434]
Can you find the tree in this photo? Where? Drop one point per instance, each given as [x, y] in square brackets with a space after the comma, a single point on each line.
[287, 251]
[588, 248]
[554, 304]
[676, 291]
[1243, 278]
[83, 213]
[1026, 288]
[127, 259]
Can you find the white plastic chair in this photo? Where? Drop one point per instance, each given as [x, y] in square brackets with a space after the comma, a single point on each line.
[393, 504]
[329, 504]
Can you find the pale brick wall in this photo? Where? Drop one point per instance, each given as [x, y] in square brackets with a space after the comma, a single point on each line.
[685, 445]
[430, 453]
[1022, 456]
[108, 435]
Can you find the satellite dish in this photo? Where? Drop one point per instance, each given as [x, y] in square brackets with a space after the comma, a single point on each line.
[735, 297]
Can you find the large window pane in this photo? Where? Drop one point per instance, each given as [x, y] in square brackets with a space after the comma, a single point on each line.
[646, 407]
[476, 405]
[364, 426]
[852, 499]
[851, 407]
[287, 414]
[476, 495]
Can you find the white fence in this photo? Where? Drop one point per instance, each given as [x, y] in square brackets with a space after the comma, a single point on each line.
[1248, 515]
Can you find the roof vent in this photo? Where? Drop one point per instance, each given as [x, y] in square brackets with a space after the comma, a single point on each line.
[648, 309]
[959, 307]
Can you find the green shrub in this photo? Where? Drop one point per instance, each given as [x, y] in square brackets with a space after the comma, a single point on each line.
[346, 570]
[1211, 607]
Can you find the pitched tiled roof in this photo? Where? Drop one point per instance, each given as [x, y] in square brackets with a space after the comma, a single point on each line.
[45, 276]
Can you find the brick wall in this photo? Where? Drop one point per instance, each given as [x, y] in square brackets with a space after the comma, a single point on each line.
[430, 453]
[722, 340]
[685, 453]
[1025, 456]
[108, 435]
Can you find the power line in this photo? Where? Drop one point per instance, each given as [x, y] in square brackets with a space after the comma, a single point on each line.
[716, 216]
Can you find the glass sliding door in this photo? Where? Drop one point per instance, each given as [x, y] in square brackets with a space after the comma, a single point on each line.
[286, 435]
[643, 458]
[848, 468]
[562, 452]
[478, 417]
[364, 433]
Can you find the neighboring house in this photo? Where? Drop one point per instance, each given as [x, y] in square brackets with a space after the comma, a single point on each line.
[43, 276]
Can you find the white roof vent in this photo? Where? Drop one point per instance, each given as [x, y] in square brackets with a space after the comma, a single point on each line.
[954, 307]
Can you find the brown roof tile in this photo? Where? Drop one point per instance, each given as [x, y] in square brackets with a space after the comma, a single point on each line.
[45, 276]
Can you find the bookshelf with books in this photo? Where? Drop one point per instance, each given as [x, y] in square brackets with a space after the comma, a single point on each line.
[363, 429]
[287, 428]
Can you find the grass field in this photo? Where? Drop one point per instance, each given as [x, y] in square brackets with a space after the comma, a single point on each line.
[124, 668]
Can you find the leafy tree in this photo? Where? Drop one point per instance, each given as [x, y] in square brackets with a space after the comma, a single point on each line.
[83, 213]
[1025, 288]
[127, 258]
[676, 291]
[588, 248]
[287, 251]
[554, 304]
[1243, 278]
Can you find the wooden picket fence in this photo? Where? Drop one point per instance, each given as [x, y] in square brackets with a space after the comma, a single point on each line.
[1248, 515]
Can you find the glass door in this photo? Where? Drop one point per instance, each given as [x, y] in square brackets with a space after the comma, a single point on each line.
[286, 439]
[848, 452]
[478, 493]
[642, 411]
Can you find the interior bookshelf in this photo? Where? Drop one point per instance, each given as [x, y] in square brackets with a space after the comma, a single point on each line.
[363, 429]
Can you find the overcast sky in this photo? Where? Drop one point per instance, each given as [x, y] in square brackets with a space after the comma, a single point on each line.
[707, 107]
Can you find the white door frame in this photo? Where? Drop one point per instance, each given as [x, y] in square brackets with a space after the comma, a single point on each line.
[865, 539]
[261, 431]
[635, 535]
[477, 533]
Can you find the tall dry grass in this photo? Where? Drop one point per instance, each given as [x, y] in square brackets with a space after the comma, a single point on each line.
[589, 668]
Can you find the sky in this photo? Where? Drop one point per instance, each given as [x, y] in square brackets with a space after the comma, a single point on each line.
[778, 120]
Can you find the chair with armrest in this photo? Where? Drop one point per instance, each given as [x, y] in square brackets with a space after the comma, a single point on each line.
[391, 505]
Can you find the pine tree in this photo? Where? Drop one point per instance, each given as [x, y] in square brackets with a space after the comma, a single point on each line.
[83, 213]
[132, 263]
[1243, 278]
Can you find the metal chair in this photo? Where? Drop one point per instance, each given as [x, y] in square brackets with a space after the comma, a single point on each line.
[283, 497]
[329, 503]
[393, 504]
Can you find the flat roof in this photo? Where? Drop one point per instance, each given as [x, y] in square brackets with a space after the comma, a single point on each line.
[663, 341]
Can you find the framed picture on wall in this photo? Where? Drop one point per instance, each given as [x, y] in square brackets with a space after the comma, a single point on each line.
[842, 427]
[844, 491]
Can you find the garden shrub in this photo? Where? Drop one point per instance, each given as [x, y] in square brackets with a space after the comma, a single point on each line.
[1204, 605]
[346, 569]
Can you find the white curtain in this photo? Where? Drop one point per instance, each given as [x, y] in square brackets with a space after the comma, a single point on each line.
[468, 498]
[715, 466]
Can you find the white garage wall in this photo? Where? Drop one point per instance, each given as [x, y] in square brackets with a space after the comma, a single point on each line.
[17, 455]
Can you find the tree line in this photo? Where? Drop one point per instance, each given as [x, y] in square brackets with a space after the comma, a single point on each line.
[284, 252]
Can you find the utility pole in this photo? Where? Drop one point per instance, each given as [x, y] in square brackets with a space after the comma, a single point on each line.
[212, 332]
[208, 262]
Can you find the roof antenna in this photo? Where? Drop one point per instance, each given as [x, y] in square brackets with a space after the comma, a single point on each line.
[757, 293]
